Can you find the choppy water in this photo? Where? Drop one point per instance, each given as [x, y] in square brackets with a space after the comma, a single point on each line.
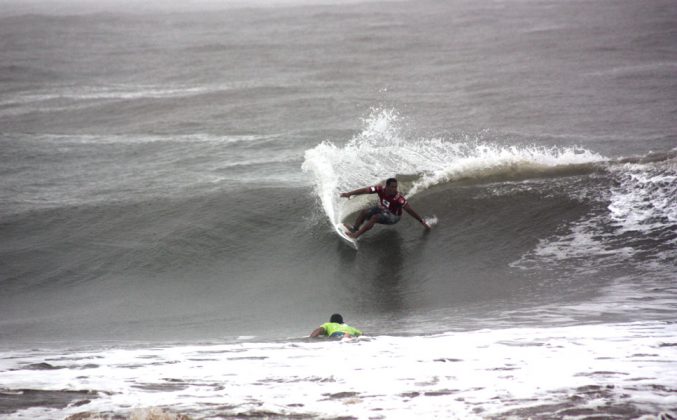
[170, 179]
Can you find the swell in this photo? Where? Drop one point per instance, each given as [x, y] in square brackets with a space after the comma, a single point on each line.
[196, 265]
[503, 214]
[154, 236]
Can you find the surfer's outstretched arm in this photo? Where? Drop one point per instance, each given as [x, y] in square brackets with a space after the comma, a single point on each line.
[359, 191]
[415, 215]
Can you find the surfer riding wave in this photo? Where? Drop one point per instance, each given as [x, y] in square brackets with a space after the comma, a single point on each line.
[387, 212]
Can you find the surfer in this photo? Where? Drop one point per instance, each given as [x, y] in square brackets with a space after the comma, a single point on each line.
[336, 328]
[388, 211]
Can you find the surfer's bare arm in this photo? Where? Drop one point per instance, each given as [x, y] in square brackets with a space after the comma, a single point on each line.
[359, 191]
[415, 215]
[317, 332]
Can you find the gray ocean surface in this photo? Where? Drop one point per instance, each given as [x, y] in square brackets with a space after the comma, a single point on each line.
[152, 181]
[171, 175]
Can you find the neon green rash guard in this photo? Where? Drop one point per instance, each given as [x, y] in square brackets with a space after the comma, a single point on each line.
[332, 329]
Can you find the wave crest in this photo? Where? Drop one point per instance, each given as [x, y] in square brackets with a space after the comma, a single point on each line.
[382, 149]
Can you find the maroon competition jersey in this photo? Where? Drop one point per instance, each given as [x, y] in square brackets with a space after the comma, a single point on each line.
[393, 203]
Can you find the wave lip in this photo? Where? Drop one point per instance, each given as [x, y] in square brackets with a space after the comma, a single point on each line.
[485, 161]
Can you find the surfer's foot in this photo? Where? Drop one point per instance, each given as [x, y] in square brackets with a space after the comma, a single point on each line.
[351, 234]
[351, 229]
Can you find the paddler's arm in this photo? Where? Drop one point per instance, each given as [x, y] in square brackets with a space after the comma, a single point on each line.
[359, 191]
[318, 332]
[415, 215]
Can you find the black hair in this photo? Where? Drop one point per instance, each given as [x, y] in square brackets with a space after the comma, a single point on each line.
[337, 318]
[390, 181]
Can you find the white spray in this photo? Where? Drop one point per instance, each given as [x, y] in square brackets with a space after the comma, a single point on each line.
[381, 150]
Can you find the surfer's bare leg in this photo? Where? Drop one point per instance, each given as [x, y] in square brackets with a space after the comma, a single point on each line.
[370, 224]
[360, 219]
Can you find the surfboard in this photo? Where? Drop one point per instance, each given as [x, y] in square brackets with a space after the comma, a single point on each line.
[341, 230]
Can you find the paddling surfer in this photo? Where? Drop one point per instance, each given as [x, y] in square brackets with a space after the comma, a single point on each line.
[335, 328]
[387, 212]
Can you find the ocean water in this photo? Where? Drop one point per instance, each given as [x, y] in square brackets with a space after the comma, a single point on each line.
[170, 178]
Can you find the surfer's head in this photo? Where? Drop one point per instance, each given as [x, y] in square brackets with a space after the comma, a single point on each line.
[391, 186]
[337, 318]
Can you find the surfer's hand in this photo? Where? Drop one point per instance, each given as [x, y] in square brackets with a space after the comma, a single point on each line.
[425, 224]
[345, 195]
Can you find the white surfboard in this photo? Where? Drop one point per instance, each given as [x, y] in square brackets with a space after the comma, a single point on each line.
[341, 230]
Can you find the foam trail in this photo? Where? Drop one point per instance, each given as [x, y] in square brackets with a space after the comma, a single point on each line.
[381, 150]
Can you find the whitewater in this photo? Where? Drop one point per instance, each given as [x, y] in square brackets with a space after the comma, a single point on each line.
[621, 371]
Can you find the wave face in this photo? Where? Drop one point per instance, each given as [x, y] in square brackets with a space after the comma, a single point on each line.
[517, 229]
[557, 222]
